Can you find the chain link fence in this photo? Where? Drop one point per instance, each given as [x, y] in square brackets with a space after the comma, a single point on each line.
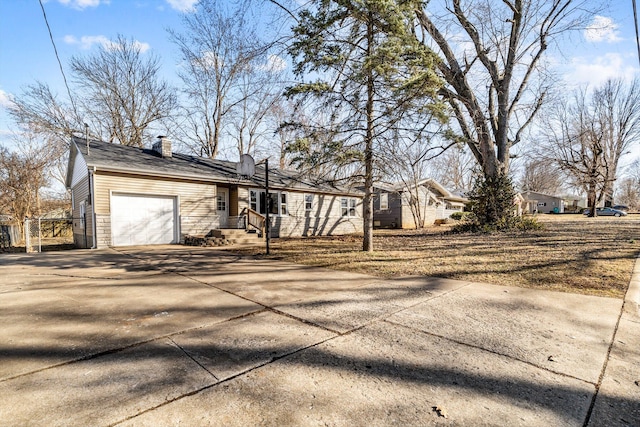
[47, 233]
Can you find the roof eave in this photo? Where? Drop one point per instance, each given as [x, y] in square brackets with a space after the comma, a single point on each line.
[145, 172]
[73, 152]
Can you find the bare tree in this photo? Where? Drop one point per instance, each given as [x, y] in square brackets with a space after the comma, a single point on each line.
[454, 168]
[616, 106]
[628, 190]
[279, 114]
[628, 193]
[591, 132]
[541, 175]
[221, 54]
[251, 126]
[40, 114]
[577, 143]
[23, 174]
[410, 157]
[120, 91]
[405, 161]
[496, 87]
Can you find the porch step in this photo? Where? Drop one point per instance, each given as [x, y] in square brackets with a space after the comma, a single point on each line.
[224, 237]
[234, 234]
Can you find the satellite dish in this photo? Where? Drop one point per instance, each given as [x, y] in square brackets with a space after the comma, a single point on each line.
[246, 166]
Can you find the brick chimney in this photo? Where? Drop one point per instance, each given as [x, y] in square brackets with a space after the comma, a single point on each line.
[162, 146]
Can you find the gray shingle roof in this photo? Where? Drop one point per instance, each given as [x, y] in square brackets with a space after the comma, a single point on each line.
[121, 158]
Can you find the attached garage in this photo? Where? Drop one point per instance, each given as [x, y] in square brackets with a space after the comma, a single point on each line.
[143, 219]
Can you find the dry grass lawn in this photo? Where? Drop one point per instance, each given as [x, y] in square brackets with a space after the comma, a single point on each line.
[572, 254]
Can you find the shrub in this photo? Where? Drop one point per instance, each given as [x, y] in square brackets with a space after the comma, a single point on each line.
[459, 215]
[470, 224]
[491, 202]
[528, 223]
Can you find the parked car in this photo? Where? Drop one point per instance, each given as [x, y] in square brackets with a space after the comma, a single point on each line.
[607, 212]
[621, 208]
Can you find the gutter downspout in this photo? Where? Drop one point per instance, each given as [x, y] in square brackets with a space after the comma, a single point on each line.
[93, 207]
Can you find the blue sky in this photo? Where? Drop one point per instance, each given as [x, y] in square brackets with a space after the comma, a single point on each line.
[26, 53]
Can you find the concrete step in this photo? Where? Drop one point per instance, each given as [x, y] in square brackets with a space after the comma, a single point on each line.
[247, 240]
[236, 235]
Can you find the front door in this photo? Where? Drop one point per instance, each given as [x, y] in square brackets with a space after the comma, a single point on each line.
[222, 206]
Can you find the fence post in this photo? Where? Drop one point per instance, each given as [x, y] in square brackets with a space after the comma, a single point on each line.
[27, 235]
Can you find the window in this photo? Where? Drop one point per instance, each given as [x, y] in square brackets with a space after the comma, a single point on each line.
[273, 203]
[222, 202]
[308, 202]
[283, 204]
[253, 200]
[384, 201]
[348, 207]
[277, 204]
[83, 213]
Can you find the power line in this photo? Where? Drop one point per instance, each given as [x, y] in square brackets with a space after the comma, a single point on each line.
[64, 77]
[635, 21]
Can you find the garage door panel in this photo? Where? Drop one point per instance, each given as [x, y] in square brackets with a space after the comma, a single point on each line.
[142, 220]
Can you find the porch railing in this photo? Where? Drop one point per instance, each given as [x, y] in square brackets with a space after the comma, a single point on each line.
[254, 220]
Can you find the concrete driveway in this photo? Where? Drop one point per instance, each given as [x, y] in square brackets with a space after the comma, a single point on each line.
[166, 336]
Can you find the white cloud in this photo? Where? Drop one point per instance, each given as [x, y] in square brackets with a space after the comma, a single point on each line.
[595, 71]
[183, 5]
[5, 99]
[82, 4]
[602, 29]
[275, 64]
[142, 46]
[87, 42]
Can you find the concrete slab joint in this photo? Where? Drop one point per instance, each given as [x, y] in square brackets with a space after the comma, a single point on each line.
[632, 297]
[154, 336]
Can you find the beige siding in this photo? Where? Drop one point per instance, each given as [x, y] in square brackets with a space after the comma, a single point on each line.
[103, 230]
[81, 193]
[80, 170]
[196, 201]
[325, 218]
[427, 211]
[242, 199]
[197, 207]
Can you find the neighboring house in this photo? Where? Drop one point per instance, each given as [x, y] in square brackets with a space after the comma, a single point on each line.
[402, 206]
[535, 202]
[133, 196]
[518, 204]
[574, 204]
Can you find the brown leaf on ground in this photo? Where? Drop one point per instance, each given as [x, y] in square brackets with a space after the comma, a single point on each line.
[440, 411]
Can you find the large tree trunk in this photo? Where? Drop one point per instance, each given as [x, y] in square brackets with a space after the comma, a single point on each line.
[367, 209]
[591, 200]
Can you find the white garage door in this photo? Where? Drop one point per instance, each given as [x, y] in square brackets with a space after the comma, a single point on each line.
[142, 220]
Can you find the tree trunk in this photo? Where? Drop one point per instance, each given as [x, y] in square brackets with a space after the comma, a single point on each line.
[367, 209]
[591, 200]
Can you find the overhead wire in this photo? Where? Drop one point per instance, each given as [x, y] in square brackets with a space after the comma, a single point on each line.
[635, 21]
[64, 77]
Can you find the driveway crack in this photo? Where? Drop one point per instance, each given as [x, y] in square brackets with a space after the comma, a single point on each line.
[186, 353]
[466, 344]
